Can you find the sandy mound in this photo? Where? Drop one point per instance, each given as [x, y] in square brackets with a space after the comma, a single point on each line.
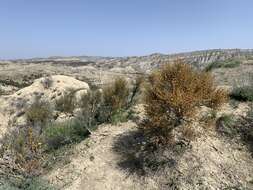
[13, 106]
[58, 84]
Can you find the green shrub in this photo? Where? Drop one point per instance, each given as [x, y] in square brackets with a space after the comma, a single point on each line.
[37, 184]
[39, 112]
[244, 93]
[223, 64]
[119, 116]
[136, 90]
[110, 104]
[66, 103]
[173, 94]
[227, 120]
[90, 104]
[61, 133]
[116, 96]
[34, 183]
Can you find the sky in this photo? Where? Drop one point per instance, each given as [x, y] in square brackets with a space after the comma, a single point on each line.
[42, 28]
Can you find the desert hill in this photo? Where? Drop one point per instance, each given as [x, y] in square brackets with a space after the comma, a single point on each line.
[115, 154]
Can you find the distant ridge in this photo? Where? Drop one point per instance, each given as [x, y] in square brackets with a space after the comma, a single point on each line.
[199, 58]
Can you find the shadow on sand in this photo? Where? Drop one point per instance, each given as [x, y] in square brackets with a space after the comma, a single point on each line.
[142, 158]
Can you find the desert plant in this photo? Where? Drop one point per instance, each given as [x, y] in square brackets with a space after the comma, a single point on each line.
[173, 94]
[243, 93]
[227, 120]
[136, 90]
[243, 90]
[110, 104]
[66, 103]
[90, 104]
[116, 95]
[115, 98]
[23, 149]
[119, 116]
[36, 183]
[223, 64]
[39, 112]
[58, 134]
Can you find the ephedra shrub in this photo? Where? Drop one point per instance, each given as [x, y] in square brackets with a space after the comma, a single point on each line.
[174, 93]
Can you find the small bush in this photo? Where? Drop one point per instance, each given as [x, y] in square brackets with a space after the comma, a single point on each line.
[135, 90]
[173, 94]
[90, 105]
[66, 103]
[110, 104]
[115, 97]
[226, 120]
[23, 148]
[119, 116]
[33, 183]
[243, 90]
[223, 64]
[39, 112]
[37, 183]
[237, 127]
[244, 93]
[61, 133]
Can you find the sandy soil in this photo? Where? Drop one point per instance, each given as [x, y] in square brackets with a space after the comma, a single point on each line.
[105, 161]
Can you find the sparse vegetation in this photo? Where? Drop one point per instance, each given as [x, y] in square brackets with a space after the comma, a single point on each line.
[117, 99]
[111, 104]
[35, 183]
[18, 84]
[240, 127]
[226, 120]
[58, 134]
[115, 96]
[66, 103]
[244, 93]
[90, 104]
[223, 64]
[172, 97]
[244, 90]
[173, 94]
[39, 112]
[24, 151]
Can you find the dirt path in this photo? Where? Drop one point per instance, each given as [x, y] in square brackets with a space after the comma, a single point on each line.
[95, 165]
[211, 163]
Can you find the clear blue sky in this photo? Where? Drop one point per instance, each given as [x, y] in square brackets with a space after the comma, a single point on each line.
[41, 28]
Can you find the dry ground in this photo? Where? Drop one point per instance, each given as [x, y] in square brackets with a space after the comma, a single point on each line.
[114, 157]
